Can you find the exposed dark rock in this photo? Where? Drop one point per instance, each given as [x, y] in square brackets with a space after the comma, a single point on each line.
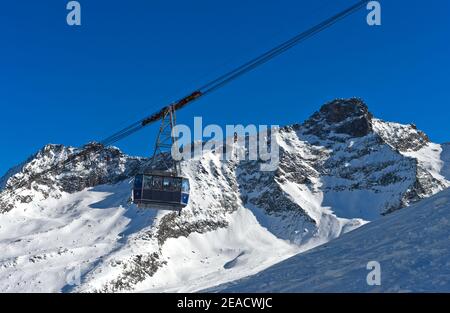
[343, 116]
[137, 270]
[173, 227]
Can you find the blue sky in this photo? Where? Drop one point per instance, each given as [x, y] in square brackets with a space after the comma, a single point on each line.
[71, 85]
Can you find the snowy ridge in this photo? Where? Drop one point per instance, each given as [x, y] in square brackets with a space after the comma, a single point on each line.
[395, 134]
[337, 171]
[11, 172]
[108, 166]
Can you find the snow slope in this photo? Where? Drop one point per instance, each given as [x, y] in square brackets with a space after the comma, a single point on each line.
[411, 245]
[44, 245]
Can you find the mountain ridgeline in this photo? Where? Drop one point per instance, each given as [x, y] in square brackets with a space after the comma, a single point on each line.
[338, 170]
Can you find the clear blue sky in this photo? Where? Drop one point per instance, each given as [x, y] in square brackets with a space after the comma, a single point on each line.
[71, 85]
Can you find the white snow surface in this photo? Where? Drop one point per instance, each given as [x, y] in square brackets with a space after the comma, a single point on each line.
[411, 246]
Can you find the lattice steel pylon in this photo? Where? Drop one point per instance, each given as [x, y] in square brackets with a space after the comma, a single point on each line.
[165, 141]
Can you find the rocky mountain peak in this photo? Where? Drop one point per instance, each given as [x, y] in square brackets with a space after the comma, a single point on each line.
[341, 116]
[341, 109]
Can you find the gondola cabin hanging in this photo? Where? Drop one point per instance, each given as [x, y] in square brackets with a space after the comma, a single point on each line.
[162, 191]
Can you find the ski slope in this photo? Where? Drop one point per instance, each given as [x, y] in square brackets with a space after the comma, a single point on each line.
[411, 245]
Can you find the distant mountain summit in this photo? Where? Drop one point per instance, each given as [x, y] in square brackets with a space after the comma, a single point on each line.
[342, 116]
[338, 170]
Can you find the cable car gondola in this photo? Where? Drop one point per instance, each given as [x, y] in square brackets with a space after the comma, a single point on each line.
[162, 189]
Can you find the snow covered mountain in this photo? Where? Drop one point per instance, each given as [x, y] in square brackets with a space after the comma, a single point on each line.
[411, 247]
[338, 170]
